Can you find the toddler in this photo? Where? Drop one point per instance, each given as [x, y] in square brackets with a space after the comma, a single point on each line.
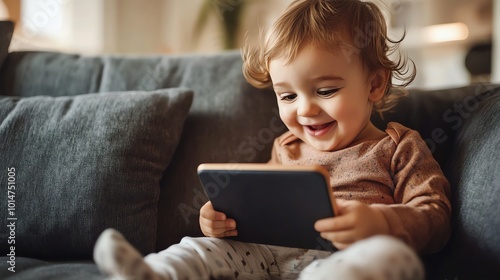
[327, 61]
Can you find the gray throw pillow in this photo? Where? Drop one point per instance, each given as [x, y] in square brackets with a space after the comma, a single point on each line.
[82, 164]
[6, 29]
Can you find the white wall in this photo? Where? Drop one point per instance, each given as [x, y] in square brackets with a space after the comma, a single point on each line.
[112, 26]
[495, 77]
[131, 26]
[42, 25]
[4, 14]
[85, 21]
[167, 26]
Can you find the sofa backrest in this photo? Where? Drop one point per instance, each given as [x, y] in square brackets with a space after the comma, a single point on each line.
[439, 115]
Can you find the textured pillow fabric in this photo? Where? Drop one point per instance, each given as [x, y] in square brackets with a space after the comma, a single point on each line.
[6, 29]
[85, 163]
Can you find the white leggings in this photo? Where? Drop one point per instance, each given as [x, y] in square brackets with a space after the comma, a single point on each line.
[379, 257]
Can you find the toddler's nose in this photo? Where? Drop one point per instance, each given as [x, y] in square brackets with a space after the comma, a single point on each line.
[308, 108]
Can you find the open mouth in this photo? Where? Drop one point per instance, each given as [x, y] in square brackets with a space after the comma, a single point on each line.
[318, 130]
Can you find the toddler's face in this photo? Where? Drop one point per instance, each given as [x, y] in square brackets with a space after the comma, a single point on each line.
[324, 98]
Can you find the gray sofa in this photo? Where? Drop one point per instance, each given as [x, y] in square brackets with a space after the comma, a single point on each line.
[114, 141]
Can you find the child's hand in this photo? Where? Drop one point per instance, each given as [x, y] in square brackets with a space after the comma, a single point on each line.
[215, 224]
[354, 221]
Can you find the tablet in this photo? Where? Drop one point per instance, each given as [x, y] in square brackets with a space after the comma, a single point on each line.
[271, 204]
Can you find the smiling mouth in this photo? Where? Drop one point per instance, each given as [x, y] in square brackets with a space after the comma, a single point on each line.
[318, 130]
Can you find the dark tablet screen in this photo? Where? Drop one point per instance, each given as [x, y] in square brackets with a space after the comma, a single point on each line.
[271, 206]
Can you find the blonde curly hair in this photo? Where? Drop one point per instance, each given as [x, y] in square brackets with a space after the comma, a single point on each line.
[353, 25]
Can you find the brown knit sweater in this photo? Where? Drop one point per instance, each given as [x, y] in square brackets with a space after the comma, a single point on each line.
[397, 174]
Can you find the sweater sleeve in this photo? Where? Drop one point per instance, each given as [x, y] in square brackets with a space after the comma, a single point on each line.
[422, 210]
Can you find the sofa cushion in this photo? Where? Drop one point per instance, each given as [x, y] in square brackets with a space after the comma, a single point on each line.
[6, 29]
[84, 163]
[28, 268]
[474, 247]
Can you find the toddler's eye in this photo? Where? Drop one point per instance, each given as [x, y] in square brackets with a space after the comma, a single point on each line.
[288, 96]
[327, 92]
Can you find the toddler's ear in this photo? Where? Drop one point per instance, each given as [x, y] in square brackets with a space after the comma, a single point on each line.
[378, 84]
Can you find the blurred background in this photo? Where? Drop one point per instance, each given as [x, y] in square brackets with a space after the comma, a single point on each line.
[452, 42]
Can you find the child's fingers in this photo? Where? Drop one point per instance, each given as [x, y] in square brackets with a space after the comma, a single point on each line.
[218, 228]
[230, 223]
[208, 212]
[340, 237]
[226, 224]
[334, 224]
[343, 205]
[213, 224]
[219, 232]
[231, 233]
[327, 224]
[341, 246]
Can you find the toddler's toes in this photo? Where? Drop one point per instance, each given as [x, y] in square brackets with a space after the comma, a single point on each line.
[115, 257]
